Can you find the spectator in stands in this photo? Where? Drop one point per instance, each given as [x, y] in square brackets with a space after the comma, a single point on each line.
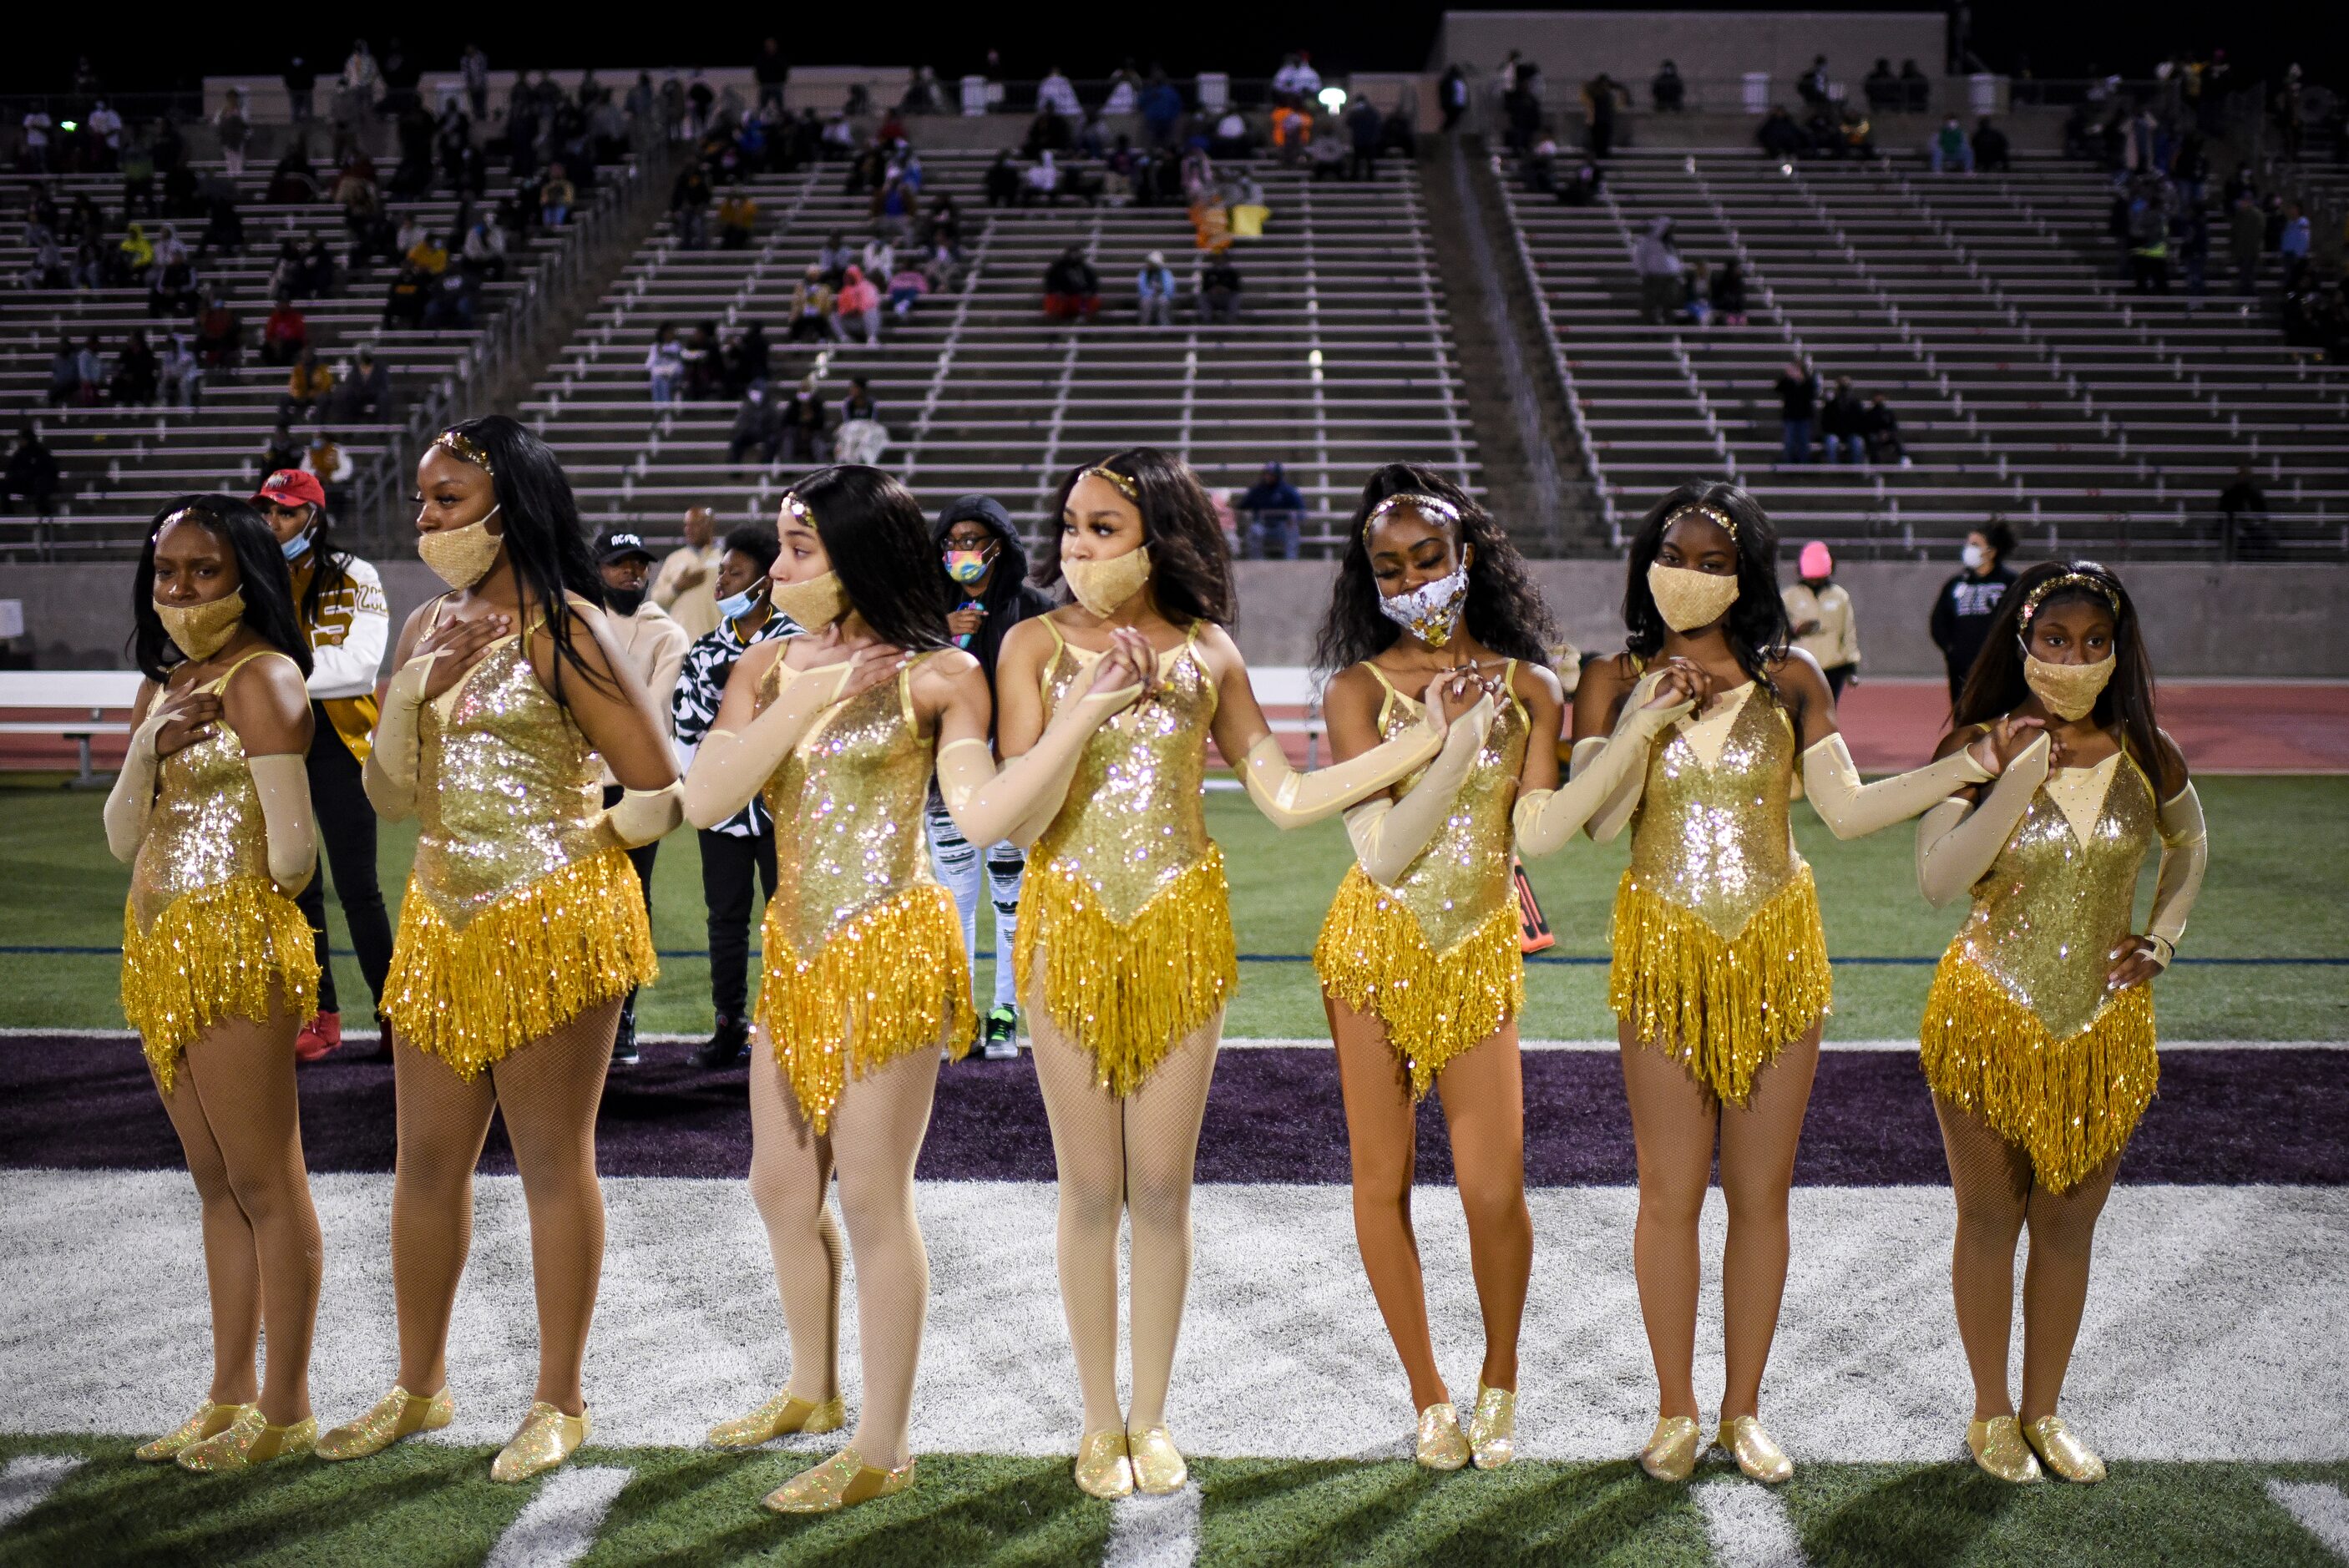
[770, 71]
[2292, 244]
[557, 197]
[1451, 96]
[1601, 99]
[135, 373]
[1365, 128]
[1951, 149]
[703, 363]
[1843, 424]
[183, 376]
[1583, 187]
[689, 206]
[738, 219]
[1798, 391]
[137, 251]
[1219, 288]
[1882, 88]
[832, 259]
[1992, 154]
[862, 437]
[879, 257]
[1916, 88]
[1668, 91]
[308, 384]
[284, 450]
[807, 432]
[285, 335]
[219, 332]
[1657, 261]
[664, 365]
[331, 461]
[234, 132]
[1002, 181]
[1154, 291]
[1780, 136]
[1161, 109]
[1729, 293]
[1819, 611]
[1696, 294]
[2243, 506]
[813, 315]
[860, 302]
[739, 854]
[757, 423]
[301, 81]
[366, 394]
[1881, 427]
[908, 285]
[2148, 239]
[1813, 84]
[171, 281]
[748, 357]
[32, 475]
[1963, 608]
[2247, 238]
[1072, 287]
[1273, 509]
[485, 249]
[1327, 153]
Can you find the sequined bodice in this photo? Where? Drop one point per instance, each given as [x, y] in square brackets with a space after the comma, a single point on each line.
[1463, 875]
[1713, 836]
[204, 828]
[2050, 909]
[508, 789]
[1132, 819]
[847, 803]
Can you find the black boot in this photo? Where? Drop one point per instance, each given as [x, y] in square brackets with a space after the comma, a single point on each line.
[728, 1047]
[623, 1042]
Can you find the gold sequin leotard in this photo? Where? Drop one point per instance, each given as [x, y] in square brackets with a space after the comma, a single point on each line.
[2019, 1029]
[207, 933]
[1437, 956]
[1126, 901]
[865, 959]
[522, 910]
[1719, 960]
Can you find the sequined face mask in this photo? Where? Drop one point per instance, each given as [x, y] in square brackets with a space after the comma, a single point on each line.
[461, 557]
[2068, 691]
[200, 631]
[1687, 599]
[812, 605]
[1100, 586]
[1430, 612]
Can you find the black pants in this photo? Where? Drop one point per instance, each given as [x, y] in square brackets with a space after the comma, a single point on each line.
[347, 833]
[729, 866]
[1837, 676]
[641, 857]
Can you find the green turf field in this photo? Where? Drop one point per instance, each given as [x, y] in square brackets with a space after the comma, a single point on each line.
[2277, 845]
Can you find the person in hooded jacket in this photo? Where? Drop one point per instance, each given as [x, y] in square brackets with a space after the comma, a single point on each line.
[987, 592]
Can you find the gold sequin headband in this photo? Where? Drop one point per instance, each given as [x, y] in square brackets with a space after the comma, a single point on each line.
[2069, 580]
[1125, 487]
[1434, 506]
[1712, 513]
[203, 516]
[798, 508]
[465, 448]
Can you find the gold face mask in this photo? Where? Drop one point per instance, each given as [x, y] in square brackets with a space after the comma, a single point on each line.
[1687, 599]
[200, 631]
[2068, 691]
[461, 557]
[1100, 586]
[811, 605]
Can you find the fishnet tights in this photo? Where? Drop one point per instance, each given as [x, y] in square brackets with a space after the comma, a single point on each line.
[548, 1091]
[1482, 1095]
[1997, 1197]
[1674, 1122]
[875, 1136]
[239, 1119]
[1133, 1155]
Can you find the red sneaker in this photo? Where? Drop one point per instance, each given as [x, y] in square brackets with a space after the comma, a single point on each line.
[321, 1036]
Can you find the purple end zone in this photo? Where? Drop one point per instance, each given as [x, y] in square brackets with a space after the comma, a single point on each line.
[2223, 1117]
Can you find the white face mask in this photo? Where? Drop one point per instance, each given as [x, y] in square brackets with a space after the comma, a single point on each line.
[1973, 557]
[1430, 612]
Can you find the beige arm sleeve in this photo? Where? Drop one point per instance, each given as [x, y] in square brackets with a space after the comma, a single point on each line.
[283, 782]
[1958, 840]
[2185, 854]
[641, 816]
[389, 776]
[1852, 809]
[1019, 801]
[133, 795]
[1292, 799]
[729, 768]
[1387, 835]
[1545, 818]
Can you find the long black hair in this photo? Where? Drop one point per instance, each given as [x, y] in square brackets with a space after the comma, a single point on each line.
[330, 564]
[879, 546]
[1995, 686]
[545, 540]
[262, 577]
[1504, 610]
[1756, 624]
[1190, 564]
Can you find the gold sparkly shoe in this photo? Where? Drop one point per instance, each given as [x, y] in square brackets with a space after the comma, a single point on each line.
[1104, 1468]
[841, 1481]
[1158, 1466]
[209, 1420]
[1441, 1446]
[396, 1415]
[786, 1412]
[2065, 1454]
[249, 1440]
[1493, 1426]
[1757, 1453]
[1998, 1448]
[1672, 1448]
[544, 1440]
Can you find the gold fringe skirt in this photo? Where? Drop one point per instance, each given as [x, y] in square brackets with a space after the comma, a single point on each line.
[1373, 957]
[520, 968]
[225, 951]
[1129, 993]
[2069, 1104]
[1722, 1008]
[894, 979]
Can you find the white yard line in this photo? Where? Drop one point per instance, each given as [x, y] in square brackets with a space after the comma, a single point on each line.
[2321, 1510]
[27, 1480]
[559, 1524]
[1747, 1526]
[1154, 1531]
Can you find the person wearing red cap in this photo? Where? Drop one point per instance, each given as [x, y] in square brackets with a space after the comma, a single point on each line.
[343, 611]
[1819, 610]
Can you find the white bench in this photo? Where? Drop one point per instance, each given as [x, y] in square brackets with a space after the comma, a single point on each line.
[99, 692]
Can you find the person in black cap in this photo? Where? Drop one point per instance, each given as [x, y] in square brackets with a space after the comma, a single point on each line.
[653, 646]
[987, 592]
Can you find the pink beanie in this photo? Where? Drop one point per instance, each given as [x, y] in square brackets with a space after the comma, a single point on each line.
[1815, 561]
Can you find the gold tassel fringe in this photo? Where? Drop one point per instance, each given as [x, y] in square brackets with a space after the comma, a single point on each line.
[218, 953]
[1722, 1008]
[528, 963]
[1129, 993]
[1373, 957]
[894, 979]
[2070, 1104]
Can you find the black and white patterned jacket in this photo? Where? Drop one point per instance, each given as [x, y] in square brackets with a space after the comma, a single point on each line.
[701, 684]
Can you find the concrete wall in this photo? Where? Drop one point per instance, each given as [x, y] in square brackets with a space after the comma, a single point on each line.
[2228, 621]
[1712, 47]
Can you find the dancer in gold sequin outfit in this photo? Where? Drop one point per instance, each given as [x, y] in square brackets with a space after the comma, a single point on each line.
[212, 811]
[1124, 951]
[2038, 1035]
[523, 927]
[1720, 975]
